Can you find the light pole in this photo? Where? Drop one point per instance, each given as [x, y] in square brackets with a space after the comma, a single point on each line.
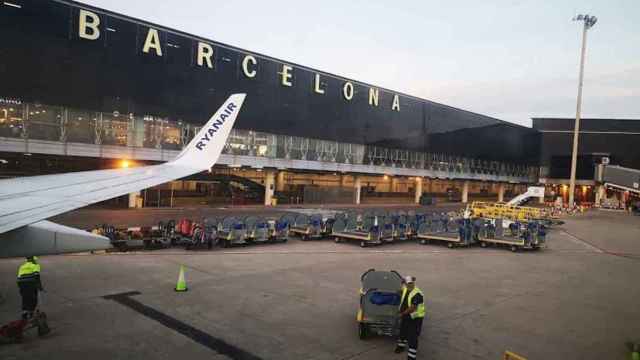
[589, 21]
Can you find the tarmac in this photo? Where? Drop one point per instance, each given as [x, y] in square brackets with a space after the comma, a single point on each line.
[576, 299]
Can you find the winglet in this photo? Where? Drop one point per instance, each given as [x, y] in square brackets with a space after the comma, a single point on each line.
[205, 148]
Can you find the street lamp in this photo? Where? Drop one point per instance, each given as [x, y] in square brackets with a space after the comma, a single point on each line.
[589, 21]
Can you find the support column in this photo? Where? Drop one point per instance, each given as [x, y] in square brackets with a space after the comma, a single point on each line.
[269, 185]
[429, 185]
[418, 193]
[343, 180]
[600, 194]
[394, 184]
[357, 184]
[465, 192]
[280, 181]
[501, 188]
[133, 199]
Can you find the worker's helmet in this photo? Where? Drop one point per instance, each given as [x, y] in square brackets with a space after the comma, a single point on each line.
[32, 259]
[409, 280]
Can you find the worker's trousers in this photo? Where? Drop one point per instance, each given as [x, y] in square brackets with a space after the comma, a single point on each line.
[29, 294]
[409, 332]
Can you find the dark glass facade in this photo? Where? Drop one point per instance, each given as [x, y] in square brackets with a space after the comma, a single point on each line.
[44, 60]
[619, 140]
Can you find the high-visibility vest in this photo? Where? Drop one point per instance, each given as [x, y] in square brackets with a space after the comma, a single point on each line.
[28, 272]
[420, 310]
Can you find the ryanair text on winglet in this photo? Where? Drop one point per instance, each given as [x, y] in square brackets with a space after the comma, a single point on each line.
[208, 136]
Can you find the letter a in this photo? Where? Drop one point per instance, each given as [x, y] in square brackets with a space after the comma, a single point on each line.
[396, 103]
[152, 42]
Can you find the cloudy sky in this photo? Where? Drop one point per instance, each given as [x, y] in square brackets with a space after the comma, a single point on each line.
[509, 59]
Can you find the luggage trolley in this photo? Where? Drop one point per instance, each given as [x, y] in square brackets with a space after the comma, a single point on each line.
[366, 234]
[307, 227]
[441, 228]
[518, 236]
[386, 225]
[257, 229]
[413, 221]
[380, 295]
[204, 234]
[232, 231]
[279, 229]
[401, 227]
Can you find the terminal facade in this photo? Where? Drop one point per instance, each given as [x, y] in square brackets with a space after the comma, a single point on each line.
[85, 88]
[602, 141]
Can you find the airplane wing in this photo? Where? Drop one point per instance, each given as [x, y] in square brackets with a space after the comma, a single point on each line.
[30, 200]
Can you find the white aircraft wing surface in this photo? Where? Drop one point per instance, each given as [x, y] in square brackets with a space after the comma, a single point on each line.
[28, 200]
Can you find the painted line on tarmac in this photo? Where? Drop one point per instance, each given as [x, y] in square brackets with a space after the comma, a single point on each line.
[199, 336]
[585, 243]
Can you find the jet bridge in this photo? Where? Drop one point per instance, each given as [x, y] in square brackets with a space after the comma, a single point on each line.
[618, 177]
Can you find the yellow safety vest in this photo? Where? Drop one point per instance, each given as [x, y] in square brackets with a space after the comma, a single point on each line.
[28, 271]
[420, 310]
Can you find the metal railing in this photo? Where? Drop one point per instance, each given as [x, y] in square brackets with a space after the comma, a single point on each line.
[56, 123]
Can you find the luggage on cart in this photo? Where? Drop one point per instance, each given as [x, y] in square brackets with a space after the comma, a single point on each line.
[204, 234]
[380, 295]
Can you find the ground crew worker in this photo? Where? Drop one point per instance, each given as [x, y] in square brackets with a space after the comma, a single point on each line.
[29, 284]
[412, 313]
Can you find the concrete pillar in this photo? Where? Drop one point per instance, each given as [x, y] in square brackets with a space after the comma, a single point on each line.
[501, 188]
[280, 181]
[394, 184]
[465, 192]
[269, 186]
[418, 193]
[357, 184]
[133, 199]
[600, 194]
[343, 180]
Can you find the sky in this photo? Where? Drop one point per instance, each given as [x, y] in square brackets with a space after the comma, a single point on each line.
[512, 60]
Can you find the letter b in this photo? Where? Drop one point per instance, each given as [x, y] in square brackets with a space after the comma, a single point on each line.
[88, 25]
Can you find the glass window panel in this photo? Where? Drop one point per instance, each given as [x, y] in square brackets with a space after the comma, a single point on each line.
[171, 135]
[81, 126]
[152, 132]
[44, 122]
[11, 123]
[115, 127]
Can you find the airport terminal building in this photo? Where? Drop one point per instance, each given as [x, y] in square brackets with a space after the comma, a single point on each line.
[88, 85]
[602, 141]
